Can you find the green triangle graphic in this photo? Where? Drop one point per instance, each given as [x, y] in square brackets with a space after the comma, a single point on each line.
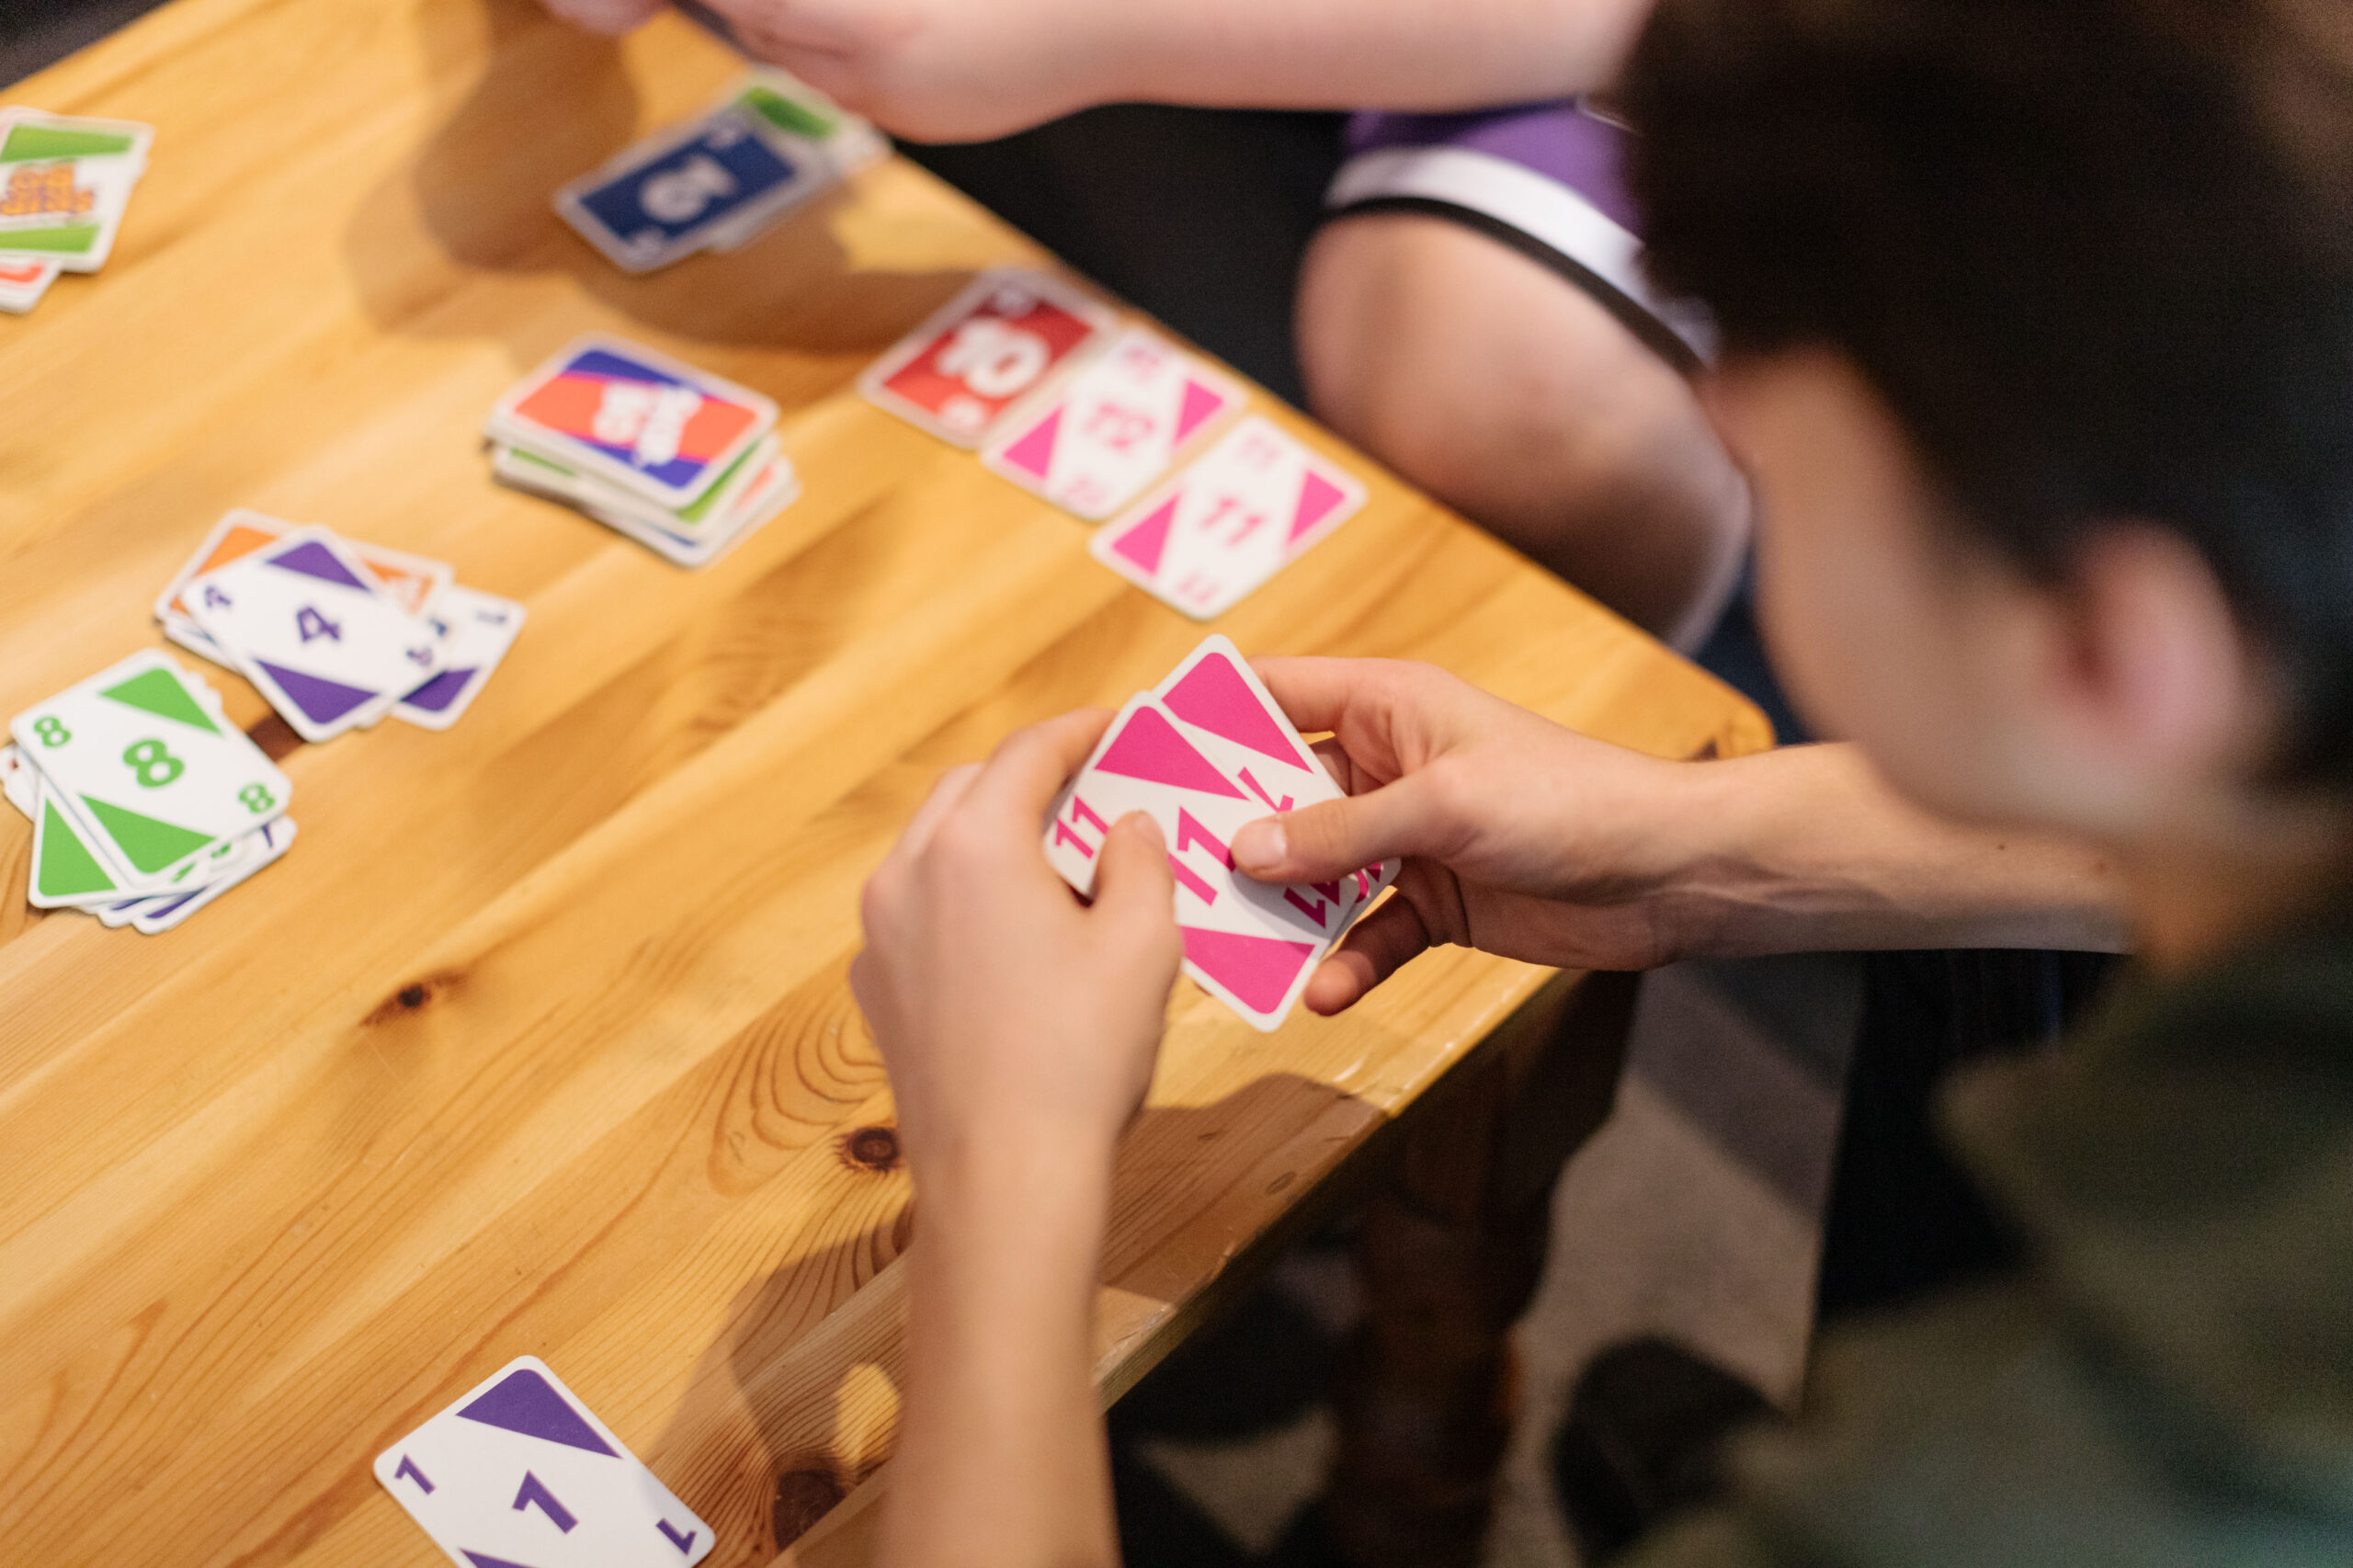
[67, 868]
[66, 239]
[34, 141]
[155, 692]
[148, 845]
[786, 114]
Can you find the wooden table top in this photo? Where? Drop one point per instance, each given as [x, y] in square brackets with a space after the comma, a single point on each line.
[539, 1039]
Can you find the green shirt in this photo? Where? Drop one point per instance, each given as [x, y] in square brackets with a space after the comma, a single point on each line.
[2171, 1381]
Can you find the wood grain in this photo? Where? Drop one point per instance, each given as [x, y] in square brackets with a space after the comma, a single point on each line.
[539, 1039]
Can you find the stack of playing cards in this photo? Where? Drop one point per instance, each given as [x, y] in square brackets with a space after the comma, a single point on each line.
[65, 185]
[1203, 753]
[146, 804]
[1091, 419]
[519, 1471]
[717, 181]
[337, 634]
[683, 462]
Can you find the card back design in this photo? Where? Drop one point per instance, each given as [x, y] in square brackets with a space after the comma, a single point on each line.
[656, 428]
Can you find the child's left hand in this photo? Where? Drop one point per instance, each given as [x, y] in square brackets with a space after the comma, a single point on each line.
[1011, 1016]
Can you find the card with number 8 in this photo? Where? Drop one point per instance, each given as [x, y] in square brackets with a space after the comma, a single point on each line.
[151, 773]
[306, 622]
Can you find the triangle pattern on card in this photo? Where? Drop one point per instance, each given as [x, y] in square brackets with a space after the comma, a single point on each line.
[485, 1560]
[1258, 970]
[322, 700]
[1202, 404]
[1317, 497]
[155, 692]
[1148, 747]
[1034, 453]
[315, 560]
[67, 868]
[1214, 696]
[1144, 542]
[148, 844]
[525, 1402]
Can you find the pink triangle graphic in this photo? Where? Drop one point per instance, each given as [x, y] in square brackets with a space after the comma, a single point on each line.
[1214, 696]
[1258, 970]
[1034, 453]
[1144, 543]
[1149, 748]
[1202, 404]
[1317, 496]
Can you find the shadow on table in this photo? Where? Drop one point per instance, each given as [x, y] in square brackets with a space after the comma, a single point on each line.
[796, 1402]
[550, 103]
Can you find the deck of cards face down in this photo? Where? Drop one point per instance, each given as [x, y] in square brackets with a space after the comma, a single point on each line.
[770, 144]
[1203, 753]
[518, 1473]
[146, 804]
[682, 461]
[65, 182]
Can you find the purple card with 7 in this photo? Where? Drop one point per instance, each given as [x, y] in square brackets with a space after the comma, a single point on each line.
[518, 1473]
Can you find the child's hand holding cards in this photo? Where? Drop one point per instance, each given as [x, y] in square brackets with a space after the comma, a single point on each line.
[1205, 752]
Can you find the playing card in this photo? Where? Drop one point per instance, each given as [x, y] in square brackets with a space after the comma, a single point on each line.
[667, 197]
[656, 428]
[762, 484]
[411, 581]
[994, 344]
[20, 781]
[476, 629]
[156, 916]
[1250, 944]
[22, 283]
[65, 185]
[303, 621]
[1249, 506]
[140, 761]
[1114, 426]
[518, 1473]
[222, 860]
[1222, 707]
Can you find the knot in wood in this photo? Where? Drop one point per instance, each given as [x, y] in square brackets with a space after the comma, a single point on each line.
[872, 1148]
[802, 1497]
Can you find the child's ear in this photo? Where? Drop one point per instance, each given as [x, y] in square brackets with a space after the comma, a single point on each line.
[2149, 663]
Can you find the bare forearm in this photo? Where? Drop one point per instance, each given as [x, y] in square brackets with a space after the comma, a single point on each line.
[1000, 1461]
[1812, 851]
[1398, 54]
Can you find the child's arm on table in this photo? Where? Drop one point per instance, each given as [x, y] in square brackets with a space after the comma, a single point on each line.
[1019, 1027]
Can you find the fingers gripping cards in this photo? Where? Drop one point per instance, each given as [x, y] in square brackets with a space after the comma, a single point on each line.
[1204, 754]
[1000, 340]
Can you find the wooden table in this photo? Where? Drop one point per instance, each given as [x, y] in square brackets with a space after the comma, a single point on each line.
[540, 1041]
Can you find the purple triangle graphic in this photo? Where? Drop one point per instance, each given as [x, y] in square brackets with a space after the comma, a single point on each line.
[485, 1560]
[1202, 404]
[1149, 748]
[439, 692]
[1317, 496]
[1214, 696]
[315, 560]
[323, 701]
[525, 1402]
[1144, 543]
[1034, 453]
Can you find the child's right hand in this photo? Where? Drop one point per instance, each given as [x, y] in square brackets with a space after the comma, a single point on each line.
[1520, 837]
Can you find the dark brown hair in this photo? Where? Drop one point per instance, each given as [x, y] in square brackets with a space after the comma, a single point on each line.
[2097, 254]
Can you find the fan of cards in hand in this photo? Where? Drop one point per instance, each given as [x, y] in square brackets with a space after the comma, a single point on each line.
[146, 803]
[1202, 753]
